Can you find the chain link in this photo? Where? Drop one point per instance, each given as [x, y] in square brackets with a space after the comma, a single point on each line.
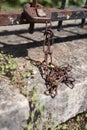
[47, 45]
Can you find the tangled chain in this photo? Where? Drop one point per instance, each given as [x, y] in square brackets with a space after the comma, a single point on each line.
[52, 74]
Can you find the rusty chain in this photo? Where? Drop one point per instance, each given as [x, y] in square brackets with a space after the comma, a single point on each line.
[52, 74]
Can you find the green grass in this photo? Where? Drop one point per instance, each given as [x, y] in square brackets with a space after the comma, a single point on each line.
[7, 6]
[49, 3]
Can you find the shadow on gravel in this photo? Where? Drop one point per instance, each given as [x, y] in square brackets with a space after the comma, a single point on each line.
[7, 33]
[21, 50]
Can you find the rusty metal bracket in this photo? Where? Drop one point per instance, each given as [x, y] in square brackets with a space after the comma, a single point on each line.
[36, 13]
[40, 14]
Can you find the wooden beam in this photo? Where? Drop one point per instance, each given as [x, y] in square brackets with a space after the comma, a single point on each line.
[59, 27]
[34, 2]
[63, 4]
